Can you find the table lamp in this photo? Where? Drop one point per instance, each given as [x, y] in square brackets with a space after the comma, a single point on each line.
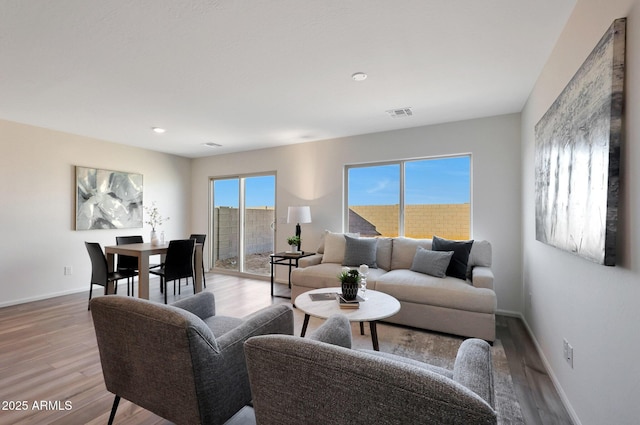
[299, 215]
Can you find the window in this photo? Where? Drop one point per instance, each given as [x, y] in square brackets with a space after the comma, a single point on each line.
[413, 198]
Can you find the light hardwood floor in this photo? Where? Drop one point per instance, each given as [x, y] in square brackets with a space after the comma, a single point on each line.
[48, 354]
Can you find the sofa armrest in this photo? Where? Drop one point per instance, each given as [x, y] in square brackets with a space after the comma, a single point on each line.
[482, 277]
[474, 368]
[275, 319]
[335, 330]
[202, 304]
[311, 260]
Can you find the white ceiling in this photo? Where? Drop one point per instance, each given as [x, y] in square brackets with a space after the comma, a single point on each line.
[251, 74]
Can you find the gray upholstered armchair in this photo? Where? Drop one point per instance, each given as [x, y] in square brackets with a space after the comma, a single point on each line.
[180, 361]
[323, 381]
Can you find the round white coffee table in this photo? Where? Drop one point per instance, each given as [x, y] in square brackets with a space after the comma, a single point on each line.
[377, 306]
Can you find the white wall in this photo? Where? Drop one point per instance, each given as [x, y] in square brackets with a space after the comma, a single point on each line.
[38, 204]
[596, 308]
[312, 174]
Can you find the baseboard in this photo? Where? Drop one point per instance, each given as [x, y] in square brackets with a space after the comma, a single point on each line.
[43, 297]
[554, 379]
[239, 274]
[75, 291]
[510, 313]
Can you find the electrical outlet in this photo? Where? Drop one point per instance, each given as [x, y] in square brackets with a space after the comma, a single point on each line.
[568, 352]
[68, 270]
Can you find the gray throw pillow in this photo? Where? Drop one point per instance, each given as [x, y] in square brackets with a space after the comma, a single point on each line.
[433, 263]
[360, 251]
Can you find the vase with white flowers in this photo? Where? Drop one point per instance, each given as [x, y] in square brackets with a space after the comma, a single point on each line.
[154, 220]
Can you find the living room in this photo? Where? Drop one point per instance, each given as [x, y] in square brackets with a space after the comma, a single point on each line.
[559, 296]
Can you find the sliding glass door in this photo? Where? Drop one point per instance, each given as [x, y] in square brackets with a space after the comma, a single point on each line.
[243, 217]
[226, 222]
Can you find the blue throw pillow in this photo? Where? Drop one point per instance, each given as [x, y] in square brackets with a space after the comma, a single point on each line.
[461, 249]
[433, 263]
[360, 251]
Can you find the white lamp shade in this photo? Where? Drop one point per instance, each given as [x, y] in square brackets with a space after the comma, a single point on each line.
[299, 215]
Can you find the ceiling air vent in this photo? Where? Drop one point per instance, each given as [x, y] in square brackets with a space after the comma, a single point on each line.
[399, 113]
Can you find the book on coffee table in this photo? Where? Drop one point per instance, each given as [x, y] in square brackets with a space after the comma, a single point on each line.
[323, 296]
[348, 303]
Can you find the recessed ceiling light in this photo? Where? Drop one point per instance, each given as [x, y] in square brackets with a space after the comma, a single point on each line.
[158, 130]
[212, 145]
[359, 76]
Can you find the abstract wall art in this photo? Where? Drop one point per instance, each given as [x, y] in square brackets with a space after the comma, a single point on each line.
[108, 199]
[577, 155]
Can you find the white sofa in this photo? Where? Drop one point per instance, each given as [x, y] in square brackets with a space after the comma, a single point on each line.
[447, 304]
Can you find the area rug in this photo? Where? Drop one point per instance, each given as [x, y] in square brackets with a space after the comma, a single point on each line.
[437, 349]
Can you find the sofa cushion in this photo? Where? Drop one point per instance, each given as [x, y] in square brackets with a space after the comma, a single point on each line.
[334, 247]
[404, 249]
[480, 255]
[360, 251]
[321, 247]
[383, 253]
[448, 292]
[325, 275]
[433, 263]
[461, 249]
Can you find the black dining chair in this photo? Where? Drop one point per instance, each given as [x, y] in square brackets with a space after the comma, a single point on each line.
[178, 264]
[127, 263]
[100, 274]
[200, 238]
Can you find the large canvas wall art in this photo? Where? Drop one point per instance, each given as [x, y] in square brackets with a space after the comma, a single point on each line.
[577, 158]
[108, 199]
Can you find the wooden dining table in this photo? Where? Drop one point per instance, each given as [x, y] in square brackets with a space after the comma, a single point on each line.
[143, 251]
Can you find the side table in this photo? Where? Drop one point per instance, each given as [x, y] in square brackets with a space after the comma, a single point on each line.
[289, 259]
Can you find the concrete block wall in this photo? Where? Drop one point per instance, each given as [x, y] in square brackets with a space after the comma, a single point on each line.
[450, 221]
[226, 232]
[258, 231]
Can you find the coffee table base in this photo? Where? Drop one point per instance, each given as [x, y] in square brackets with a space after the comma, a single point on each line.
[372, 327]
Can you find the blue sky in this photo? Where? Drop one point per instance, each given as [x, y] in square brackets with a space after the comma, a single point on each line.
[259, 192]
[433, 181]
